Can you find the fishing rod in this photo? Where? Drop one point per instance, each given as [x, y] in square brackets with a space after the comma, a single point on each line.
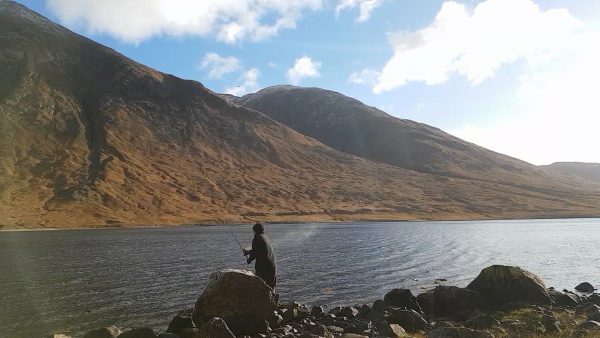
[239, 244]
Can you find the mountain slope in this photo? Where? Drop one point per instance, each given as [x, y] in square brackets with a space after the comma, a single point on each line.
[350, 126]
[587, 171]
[89, 137]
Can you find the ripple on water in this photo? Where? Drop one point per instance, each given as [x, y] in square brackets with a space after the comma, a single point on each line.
[78, 280]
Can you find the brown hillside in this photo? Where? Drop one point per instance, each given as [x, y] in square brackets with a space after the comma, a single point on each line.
[89, 137]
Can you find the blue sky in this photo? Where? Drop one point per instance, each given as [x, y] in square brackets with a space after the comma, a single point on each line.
[514, 76]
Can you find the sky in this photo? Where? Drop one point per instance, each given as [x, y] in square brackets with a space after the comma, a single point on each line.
[519, 77]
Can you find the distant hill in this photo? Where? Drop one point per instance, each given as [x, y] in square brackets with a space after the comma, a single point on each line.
[586, 171]
[89, 137]
[348, 125]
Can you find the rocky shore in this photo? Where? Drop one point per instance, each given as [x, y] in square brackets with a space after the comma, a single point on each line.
[503, 301]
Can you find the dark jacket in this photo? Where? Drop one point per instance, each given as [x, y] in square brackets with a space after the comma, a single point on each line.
[262, 252]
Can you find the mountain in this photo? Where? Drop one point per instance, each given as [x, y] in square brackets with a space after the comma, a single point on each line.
[350, 126]
[587, 171]
[89, 137]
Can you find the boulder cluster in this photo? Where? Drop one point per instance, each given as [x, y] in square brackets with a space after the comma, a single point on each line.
[503, 301]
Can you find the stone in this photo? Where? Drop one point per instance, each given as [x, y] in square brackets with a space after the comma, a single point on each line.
[352, 335]
[167, 335]
[585, 287]
[190, 333]
[240, 298]
[105, 332]
[290, 315]
[317, 311]
[595, 316]
[442, 323]
[396, 331]
[349, 312]
[183, 320]
[410, 320]
[451, 302]
[590, 325]
[335, 329]
[216, 328]
[143, 332]
[458, 332]
[378, 305]
[567, 300]
[402, 298]
[500, 285]
[482, 322]
[587, 308]
[57, 335]
[275, 321]
[594, 298]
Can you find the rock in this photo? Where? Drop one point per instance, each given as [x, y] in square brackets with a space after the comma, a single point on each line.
[590, 325]
[458, 332]
[402, 298]
[352, 335]
[290, 315]
[335, 311]
[144, 332]
[307, 335]
[568, 300]
[190, 333]
[317, 311]
[335, 329]
[319, 330]
[167, 335]
[585, 287]
[451, 302]
[586, 308]
[240, 298]
[595, 298]
[105, 332]
[410, 320]
[499, 285]
[595, 316]
[349, 312]
[551, 323]
[216, 328]
[442, 323]
[482, 322]
[57, 335]
[275, 320]
[396, 331]
[378, 305]
[182, 320]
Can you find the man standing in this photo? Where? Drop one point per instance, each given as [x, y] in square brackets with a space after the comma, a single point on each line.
[262, 251]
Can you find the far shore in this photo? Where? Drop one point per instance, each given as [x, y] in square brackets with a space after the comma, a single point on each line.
[289, 222]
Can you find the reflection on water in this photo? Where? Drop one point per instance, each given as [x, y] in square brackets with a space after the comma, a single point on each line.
[74, 281]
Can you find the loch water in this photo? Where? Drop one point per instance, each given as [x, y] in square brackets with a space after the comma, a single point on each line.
[72, 281]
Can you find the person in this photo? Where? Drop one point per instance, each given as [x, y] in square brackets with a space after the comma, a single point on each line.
[262, 252]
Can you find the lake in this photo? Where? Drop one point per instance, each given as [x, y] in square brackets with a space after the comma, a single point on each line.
[77, 280]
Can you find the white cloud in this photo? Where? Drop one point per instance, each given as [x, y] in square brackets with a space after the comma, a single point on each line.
[366, 76]
[228, 20]
[557, 100]
[304, 67]
[249, 83]
[476, 43]
[218, 66]
[365, 7]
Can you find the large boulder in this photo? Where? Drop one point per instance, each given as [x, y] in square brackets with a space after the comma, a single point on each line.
[451, 302]
[402, 298]
[410, 320]
[566, 299]
[500, 285]
[585, 287]
[240, 298]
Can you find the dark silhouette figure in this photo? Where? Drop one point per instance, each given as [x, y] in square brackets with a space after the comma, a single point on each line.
[262, 252]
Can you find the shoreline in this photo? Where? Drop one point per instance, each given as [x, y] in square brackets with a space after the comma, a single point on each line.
[291, 223]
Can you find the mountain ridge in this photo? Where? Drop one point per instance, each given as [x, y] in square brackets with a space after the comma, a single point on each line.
[89, 137]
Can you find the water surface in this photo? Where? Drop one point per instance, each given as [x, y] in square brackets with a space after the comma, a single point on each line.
[74, 281]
